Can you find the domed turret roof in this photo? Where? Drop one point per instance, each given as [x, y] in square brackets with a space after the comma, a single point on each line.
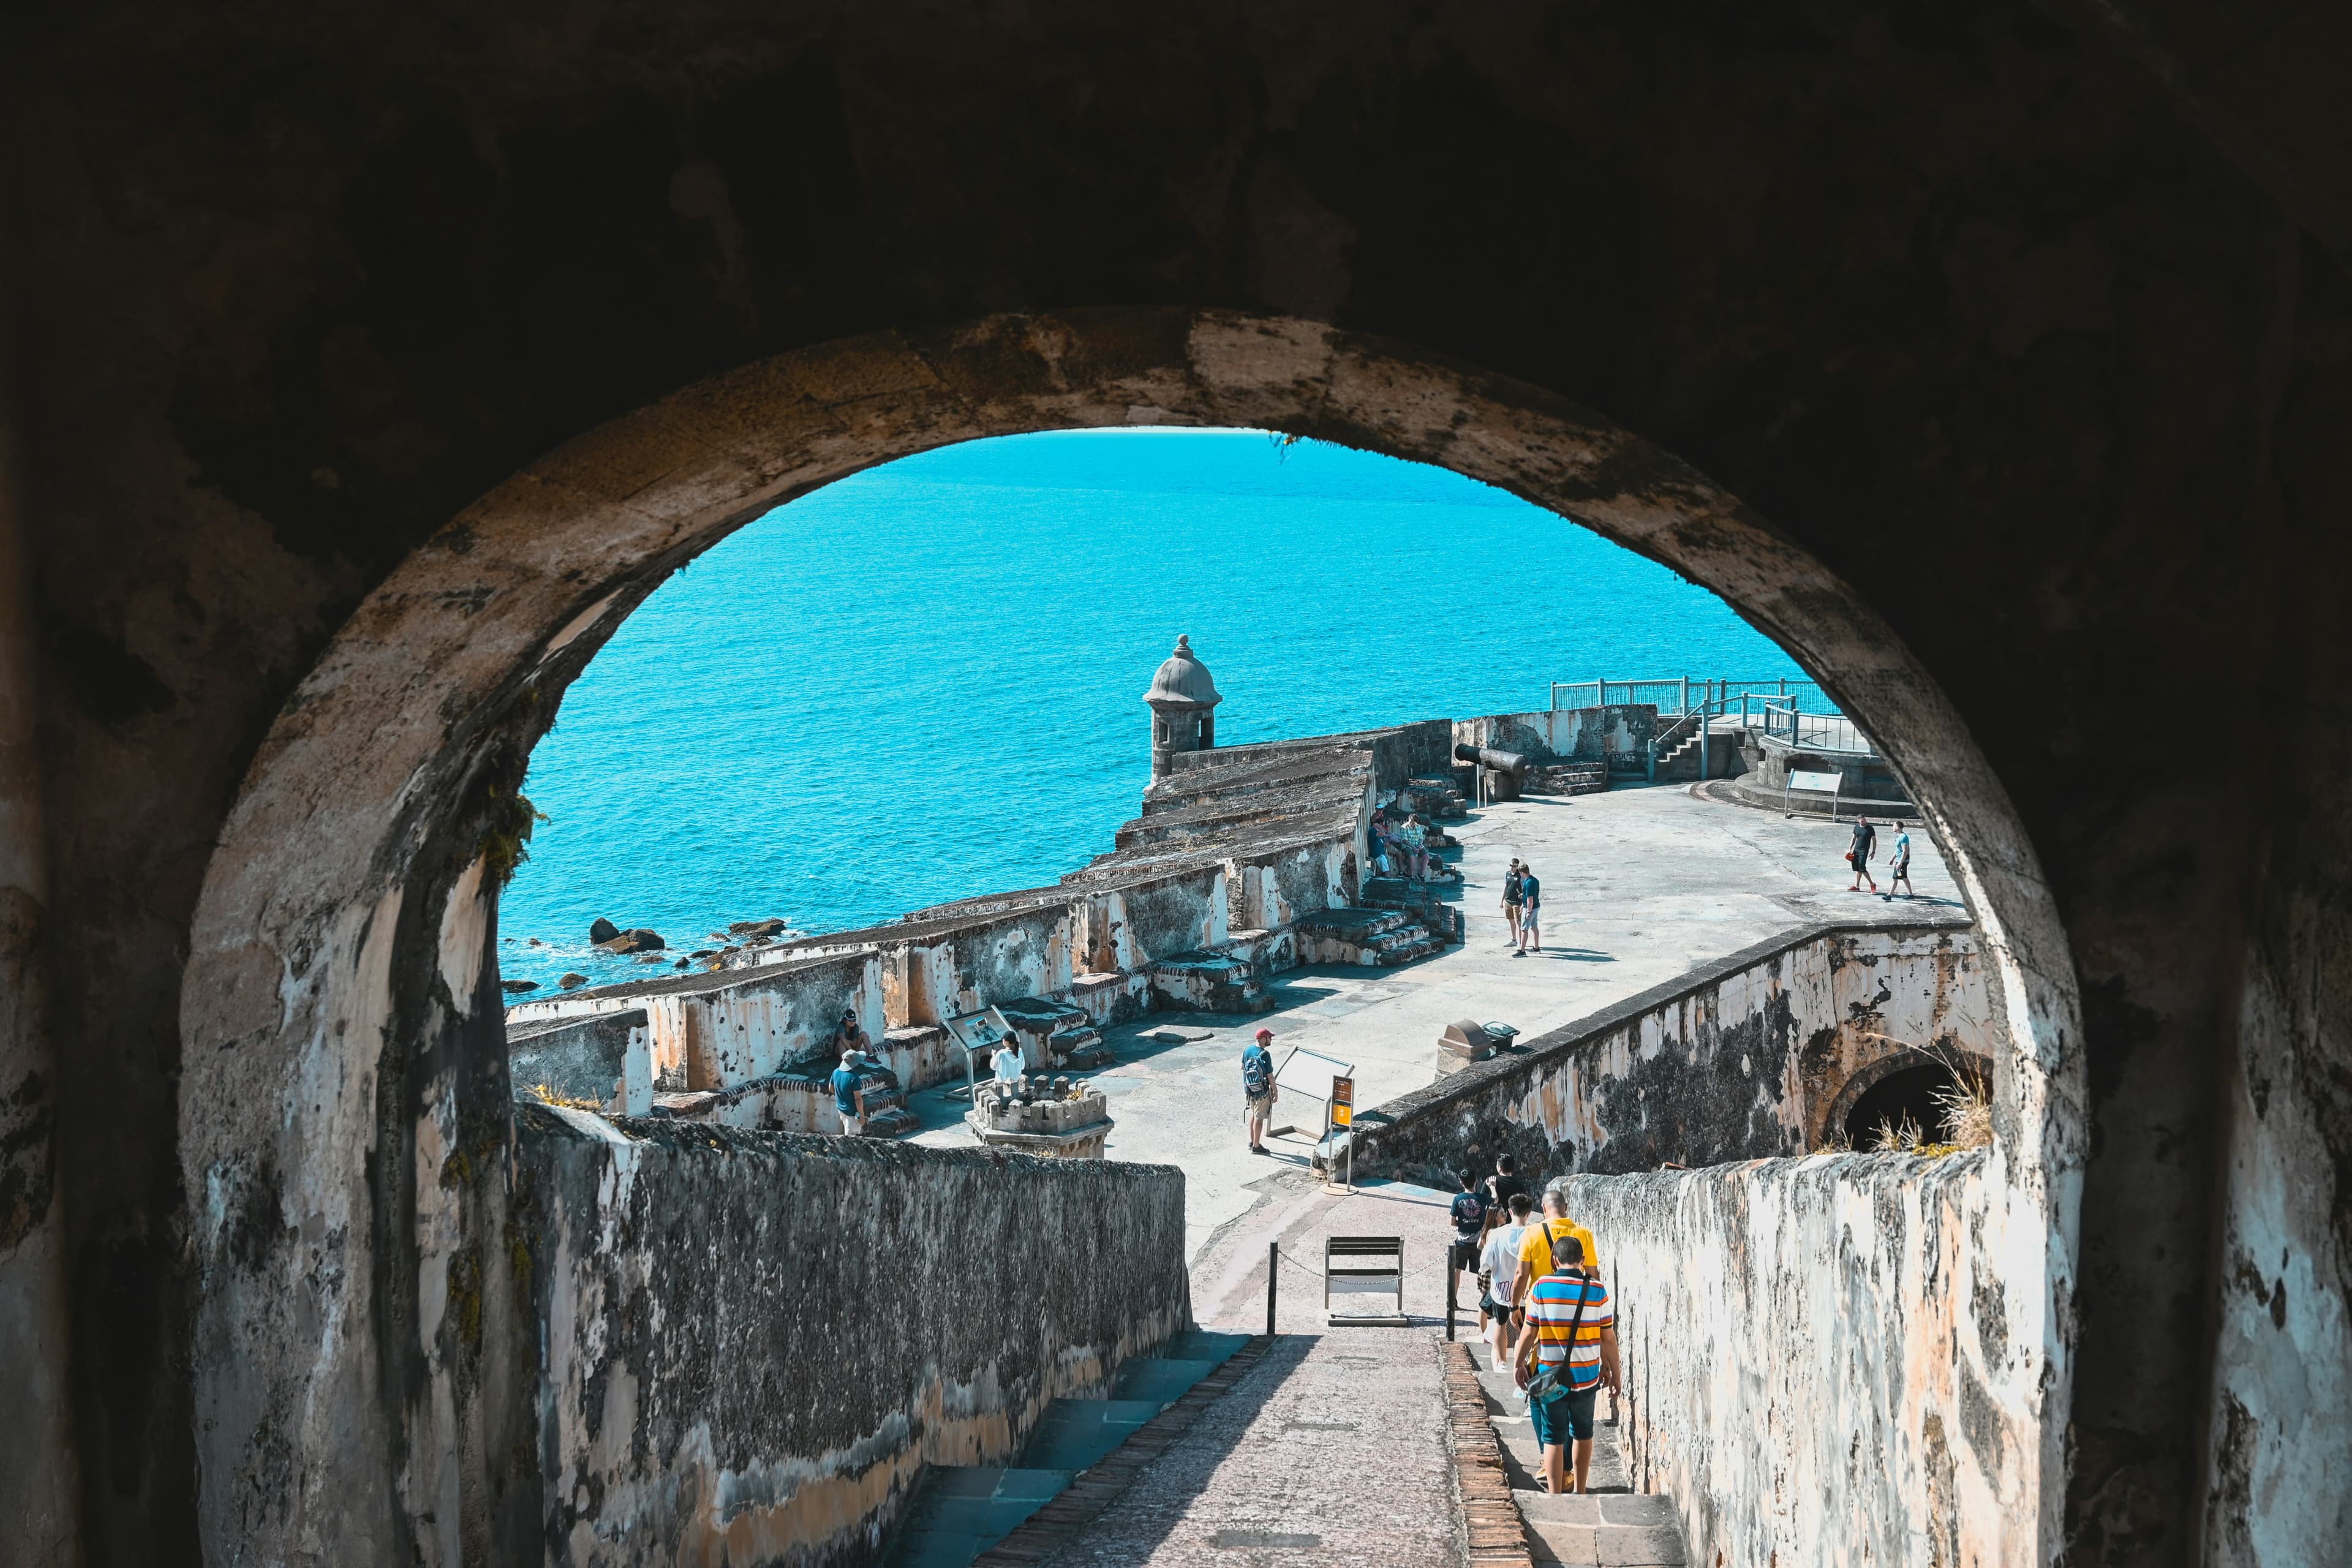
[1183, 678]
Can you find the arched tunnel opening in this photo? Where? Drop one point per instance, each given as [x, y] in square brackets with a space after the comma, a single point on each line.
[1914, 1103]
[1247, 863]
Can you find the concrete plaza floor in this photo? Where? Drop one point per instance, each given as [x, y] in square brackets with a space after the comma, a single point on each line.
[1640, 885]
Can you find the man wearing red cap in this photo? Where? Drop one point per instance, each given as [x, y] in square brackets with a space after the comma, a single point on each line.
[1257, 1088]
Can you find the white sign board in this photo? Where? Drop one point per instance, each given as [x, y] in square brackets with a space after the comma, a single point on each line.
[1824, 784]
[1309, 1075]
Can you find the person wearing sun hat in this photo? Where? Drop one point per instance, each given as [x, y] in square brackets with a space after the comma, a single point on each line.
[1257, 1088]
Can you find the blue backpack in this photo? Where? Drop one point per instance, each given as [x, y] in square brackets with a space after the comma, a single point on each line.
[1258, 1071]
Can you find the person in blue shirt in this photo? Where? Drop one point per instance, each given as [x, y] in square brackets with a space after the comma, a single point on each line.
[844, 1092]
[1530, 912]
[1257, 1089]
[1899, 867]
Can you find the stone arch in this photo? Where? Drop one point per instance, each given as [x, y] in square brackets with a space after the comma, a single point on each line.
[1831, 1121]
[343, 1112]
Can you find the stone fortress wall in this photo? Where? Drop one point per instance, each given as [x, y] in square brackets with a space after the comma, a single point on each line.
[1832, 1360]
[1195, 906]
[749, 1345]
[1755, 1055]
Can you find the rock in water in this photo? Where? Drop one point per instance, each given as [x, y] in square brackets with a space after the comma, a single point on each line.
[604, 931]
[758, 928]
[639, 940]
[516, 986]
[573, 982]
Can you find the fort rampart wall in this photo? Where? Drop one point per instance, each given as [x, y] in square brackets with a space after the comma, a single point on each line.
[1831, 1361]
[732, 1365]
[1755, 1055]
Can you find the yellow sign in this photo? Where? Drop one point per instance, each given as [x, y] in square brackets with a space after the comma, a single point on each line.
[1343, 1102]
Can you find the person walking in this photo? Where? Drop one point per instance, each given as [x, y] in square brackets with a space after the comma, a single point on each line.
[1258, 1093]
[1544, 1244]
[1498, 1272]
[1530, 912]
[1503, 1185]
[1512, 901]
[1865, 840]
[1469, 1215]
[1566, 1353]
[847, 1098]
[1898, 866]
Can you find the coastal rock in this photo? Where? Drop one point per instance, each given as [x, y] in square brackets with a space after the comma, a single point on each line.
[637, 940]
[603, 931]
[651, 958]
[514, 987]
[535, 943]
[759, 928]
[573, 982]
[682, 963]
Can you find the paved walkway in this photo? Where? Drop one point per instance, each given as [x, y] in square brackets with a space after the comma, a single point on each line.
[1333, 1448]
[1640, 885]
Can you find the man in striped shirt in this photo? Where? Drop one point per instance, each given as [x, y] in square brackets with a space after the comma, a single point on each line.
[1571, 1330]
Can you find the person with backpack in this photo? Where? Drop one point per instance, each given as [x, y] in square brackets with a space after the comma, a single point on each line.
[1566, 1353]
[1511, 902]
[1469, 1224]
[1258, 1093]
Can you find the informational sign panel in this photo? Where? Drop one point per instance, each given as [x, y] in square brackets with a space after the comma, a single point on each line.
[1822, 783]
[1343, 1102]
[979, 1031]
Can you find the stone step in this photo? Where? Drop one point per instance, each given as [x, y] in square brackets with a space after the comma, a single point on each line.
[1350, 922]
[960, 1511]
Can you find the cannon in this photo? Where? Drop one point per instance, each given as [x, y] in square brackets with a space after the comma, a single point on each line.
[1515, 763]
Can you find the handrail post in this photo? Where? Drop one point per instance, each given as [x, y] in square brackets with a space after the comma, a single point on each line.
[1686, 696]
[1273, 1262]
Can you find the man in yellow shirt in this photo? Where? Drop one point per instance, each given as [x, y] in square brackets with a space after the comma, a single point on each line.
[1536, 1251]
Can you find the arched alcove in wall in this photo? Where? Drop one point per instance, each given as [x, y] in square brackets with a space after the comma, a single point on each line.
[344, 1110]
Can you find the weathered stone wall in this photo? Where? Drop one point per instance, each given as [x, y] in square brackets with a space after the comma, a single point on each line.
[1757, 1054]
[718, 1029]
[1990, 372]
[753, 1342]
[1831, 1361]
[1617, 736]
[580, 1058]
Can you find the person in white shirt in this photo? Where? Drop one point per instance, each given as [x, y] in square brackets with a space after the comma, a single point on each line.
[1498, 1260]
[1007, 1060]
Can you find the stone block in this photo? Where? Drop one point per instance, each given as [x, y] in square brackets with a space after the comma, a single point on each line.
[1638, 1546]
[1570, 1543]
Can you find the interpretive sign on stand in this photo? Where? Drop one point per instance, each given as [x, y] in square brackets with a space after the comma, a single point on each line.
[1811, 782]
[979, 1034]
[1308, 1075]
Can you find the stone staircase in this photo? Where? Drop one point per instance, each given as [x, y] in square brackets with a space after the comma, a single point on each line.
[1082, 1454]
[1612, 1524]
[1378, 938]
[1567, 778]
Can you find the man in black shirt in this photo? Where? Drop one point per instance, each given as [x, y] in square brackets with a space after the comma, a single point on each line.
[1865, 839]
[1498, 1188]
[1469, 1223]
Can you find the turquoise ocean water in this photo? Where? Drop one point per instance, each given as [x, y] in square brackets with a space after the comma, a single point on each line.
[924, 682]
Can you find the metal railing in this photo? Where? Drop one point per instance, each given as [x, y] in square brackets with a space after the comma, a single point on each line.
[1815, 731]
[1688, 693]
